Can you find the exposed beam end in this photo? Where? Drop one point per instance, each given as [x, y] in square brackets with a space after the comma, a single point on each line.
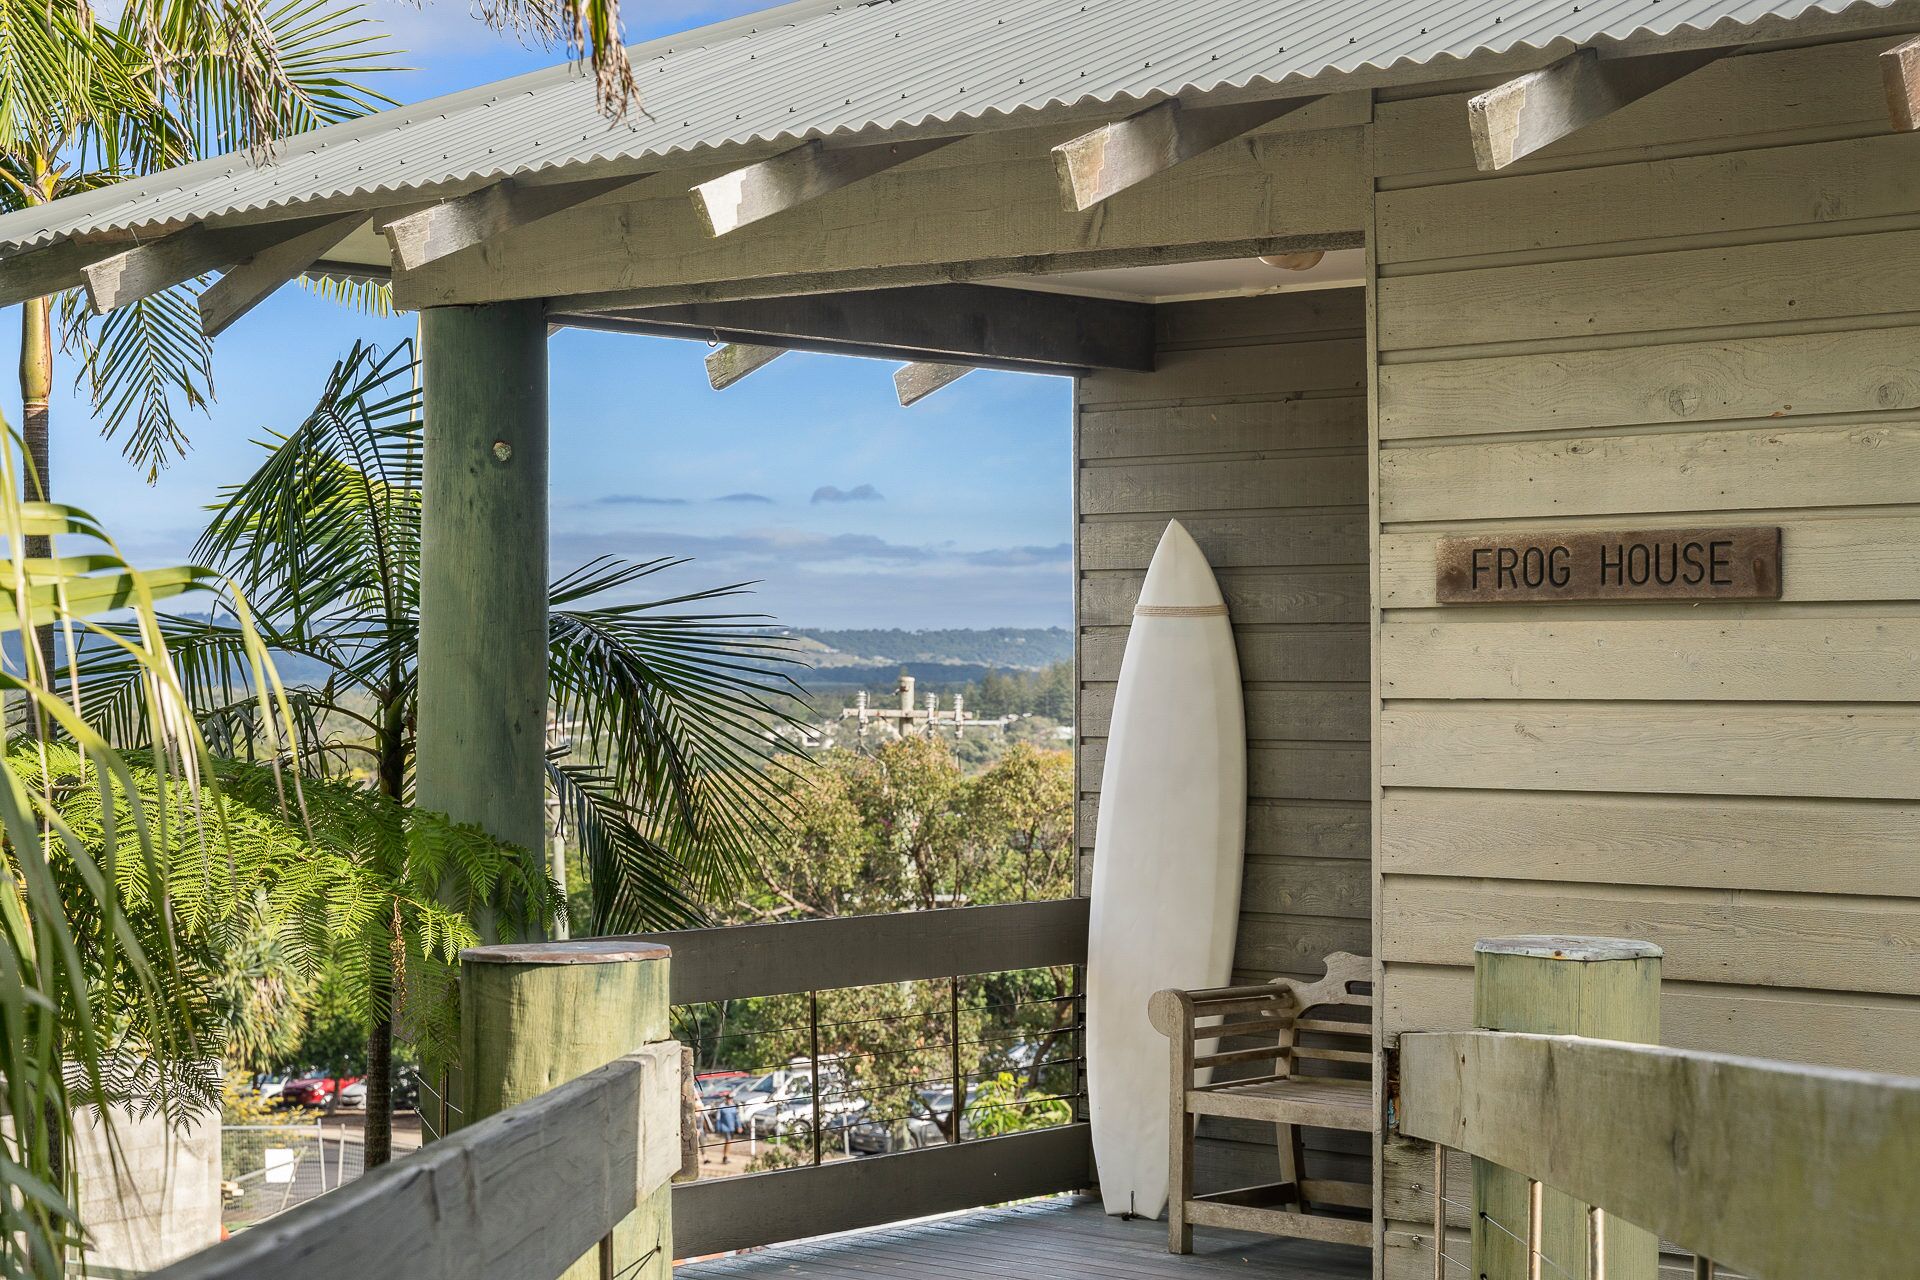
[252, 282]
[915, 382]
[1114, 157]
[1900, 71]
[746, 195]
[727, 365]
[1511, 121]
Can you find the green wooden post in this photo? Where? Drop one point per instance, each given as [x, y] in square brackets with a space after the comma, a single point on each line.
[535, 1016]
[483, 569]
[1606, 988]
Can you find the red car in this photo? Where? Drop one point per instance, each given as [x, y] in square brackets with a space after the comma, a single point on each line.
[314, 1091]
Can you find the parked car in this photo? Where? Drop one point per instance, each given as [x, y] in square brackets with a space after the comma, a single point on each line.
[313, 1091]
[925, 1125]
[761, 1097]
[353, 1094]
[793, 1116]
[268, 1084]
[403, 1093]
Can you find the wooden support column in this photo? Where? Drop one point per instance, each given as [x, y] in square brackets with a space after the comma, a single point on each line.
[483, 569]
[533, 1017]
[1605, 988]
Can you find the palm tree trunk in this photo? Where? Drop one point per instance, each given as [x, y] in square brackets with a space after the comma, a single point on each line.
[377, 1145]
[36, 390]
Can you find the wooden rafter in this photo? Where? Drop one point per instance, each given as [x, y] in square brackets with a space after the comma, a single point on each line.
[35, 273]
[1513, 120]
[792, 178]
[1127, 152]
[250, 283]
[728, 364]
[444, 229]
[915, 382]
[1900, 70]
[140, 272]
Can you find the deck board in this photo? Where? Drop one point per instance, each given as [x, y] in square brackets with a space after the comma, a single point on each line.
[1060, 1238]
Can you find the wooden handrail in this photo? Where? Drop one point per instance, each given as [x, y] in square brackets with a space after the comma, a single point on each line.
[737, 961]
[521, 1195]
[1772, 1168]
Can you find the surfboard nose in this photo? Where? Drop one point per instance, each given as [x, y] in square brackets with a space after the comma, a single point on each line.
[1179, 577]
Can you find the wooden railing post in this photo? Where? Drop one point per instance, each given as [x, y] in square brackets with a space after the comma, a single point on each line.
[1607, 988]
[534, 1016]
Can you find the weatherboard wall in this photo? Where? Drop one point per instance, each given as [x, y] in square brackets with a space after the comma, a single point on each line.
[1700, 311]
[1252, 432]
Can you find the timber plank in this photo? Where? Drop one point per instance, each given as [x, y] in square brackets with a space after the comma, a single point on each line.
[1869, 1032]
[1230, 321]
[1823, 278]
[1215, 373]
[1720, 193]
[1774, 377]
[1723, 749]
[1739, 938]
[1230, 541]
[1285, 421]
[1827, 846]
[1670, 1139]
[1859, 464]
[1305, 654]
[1311, 481]
[1333, 887]
[1293, 772]
[1286, 715]
[1292, 944]
[1291, 829]
[1855, 559]
[736, 961]
[1252, 595]
[1732, 660]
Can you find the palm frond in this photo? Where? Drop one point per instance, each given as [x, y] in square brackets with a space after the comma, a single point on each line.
[360, 293]
[635, 883]
[135, 363]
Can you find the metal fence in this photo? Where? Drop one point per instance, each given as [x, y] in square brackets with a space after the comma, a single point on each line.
[267, 1169]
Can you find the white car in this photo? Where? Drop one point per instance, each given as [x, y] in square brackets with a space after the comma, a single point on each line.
[353, 1095]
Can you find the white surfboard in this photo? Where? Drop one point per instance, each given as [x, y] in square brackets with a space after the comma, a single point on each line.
[1167, 856]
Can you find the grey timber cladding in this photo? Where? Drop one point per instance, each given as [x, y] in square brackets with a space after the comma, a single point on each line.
[1698, 311]
[833, 68]
[1252, 432]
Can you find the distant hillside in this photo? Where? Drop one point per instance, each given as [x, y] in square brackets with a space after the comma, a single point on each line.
[1005, 648]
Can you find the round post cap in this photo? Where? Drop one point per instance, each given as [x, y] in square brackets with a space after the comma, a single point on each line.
[583, 951]
[1555, 946]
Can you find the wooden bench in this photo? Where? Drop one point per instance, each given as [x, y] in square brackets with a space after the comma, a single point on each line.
[1314, 1058]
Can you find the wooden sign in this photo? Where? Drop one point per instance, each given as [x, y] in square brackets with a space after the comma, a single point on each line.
[1651, 564]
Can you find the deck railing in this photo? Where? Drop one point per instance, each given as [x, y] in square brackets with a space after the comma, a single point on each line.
[521, 1195]
[810, 956]
[1776, 1170]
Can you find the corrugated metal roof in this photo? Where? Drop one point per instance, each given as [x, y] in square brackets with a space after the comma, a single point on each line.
[821, 68]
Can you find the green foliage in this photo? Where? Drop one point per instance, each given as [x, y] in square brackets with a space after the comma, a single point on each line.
[1048, 692]
[1021, 648]
[100, 997]
[86, 102]
[1003, 1105]
[666, 788]
[902, 827]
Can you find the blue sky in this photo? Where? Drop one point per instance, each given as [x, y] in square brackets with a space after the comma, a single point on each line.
[807, 476]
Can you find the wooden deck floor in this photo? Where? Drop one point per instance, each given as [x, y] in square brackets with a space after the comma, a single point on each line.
[1058, 1239]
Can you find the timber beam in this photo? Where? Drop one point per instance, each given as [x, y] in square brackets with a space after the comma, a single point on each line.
[250, 283]
[728, 364]
[915, 382]
[1900, 71]
[782, 182]
[144, 270]
[1124, 154]
[974, 324]
[35, 273]
[1511, 121]
[442, 230]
